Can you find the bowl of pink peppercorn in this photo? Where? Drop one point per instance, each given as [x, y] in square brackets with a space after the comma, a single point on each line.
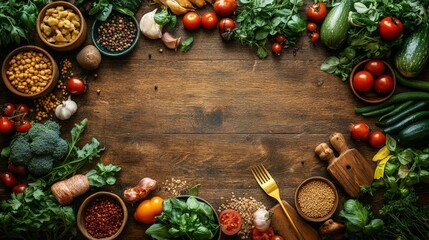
[102, 215]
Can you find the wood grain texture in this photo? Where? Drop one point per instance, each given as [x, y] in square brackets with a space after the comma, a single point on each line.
[207, 115]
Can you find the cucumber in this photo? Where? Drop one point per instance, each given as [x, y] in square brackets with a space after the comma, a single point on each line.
[415, 135]
[335, 27]
[413, 54]
[422, 105]
[415, 117]
[412, 83]
[398, 97]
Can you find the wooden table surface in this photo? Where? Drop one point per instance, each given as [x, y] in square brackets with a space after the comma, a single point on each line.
[208, 115]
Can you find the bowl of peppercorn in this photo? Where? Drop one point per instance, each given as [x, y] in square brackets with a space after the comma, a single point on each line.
[102, 215]
[115, 36]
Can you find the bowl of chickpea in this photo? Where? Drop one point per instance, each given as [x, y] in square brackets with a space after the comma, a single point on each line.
[61, 26]
[30, 72]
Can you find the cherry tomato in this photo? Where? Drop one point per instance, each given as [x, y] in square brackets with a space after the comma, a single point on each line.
[76, 86]
[8, 109]
[209, 20]
[148, 210]
[21, 111]
[390, 28]
[363, 81]
[20, 188]
[230, 221]
[383, 84]
[311, 27]
[375, 67]
[317, 12]
[8, 179]
[314, 37]
[280, 38]
[377, 139]
[277, 48]
[225, 7]
[267, 235]
[277, 237]
[360, 131]
[191, 21]
[20, 170]
[22, 126]
[226, 27]
[6, 125]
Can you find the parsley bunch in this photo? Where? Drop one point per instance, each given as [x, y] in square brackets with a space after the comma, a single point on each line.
[258, 20]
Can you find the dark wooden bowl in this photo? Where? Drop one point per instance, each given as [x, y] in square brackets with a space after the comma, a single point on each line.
[371, 96]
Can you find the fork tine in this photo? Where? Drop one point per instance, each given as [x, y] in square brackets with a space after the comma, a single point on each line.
[261, 173]
[266, 172]
[256, 175]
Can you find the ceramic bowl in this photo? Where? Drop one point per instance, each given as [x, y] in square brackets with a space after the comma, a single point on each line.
[371, 96]
[7, 63]
[99, 44]
[70, 45]
[316, 203]
[86, 203]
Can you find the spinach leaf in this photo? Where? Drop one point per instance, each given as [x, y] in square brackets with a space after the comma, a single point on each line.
[102, 175]
[103, 8]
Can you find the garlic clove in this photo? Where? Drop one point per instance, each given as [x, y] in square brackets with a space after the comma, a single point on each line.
[170, 41]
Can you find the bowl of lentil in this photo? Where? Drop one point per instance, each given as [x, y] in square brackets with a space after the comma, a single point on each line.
[316, 199]
[61, 26]
[117, 35]
[30, 72]
[102, 215]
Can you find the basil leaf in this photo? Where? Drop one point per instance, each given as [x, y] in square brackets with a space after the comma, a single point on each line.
[187, 44]
[330, 64]
[105, 12]
[164, 17]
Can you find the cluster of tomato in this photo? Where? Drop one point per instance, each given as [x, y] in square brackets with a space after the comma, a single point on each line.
[316, 13]
[9, 178]
[361, 132]
[208, 20]
[13, 118]
[373, 77]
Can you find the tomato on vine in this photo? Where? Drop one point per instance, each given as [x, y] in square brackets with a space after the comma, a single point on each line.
[317, 12]
[22, 126]
[21, 111]
[6, 125]
[8, 109]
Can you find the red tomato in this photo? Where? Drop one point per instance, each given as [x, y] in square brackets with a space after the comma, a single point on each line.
[6, 125]
[280, 38]
[360, 131]
[314, 37]
[209, 20]
[8, 109]
[230, 221]
[20, 188]
[390, 28]
[317, 12]
[225, 7]
[383, 84]
[377, 139]
[226, 27]
[375, 67]
[76, 86]
[8, 179]
[267, 235]
[277, 237]
[277, 48]
[20, 170]
[22, 126]
[21, 111]
[311, 27]
[363, 81]
[191, 21]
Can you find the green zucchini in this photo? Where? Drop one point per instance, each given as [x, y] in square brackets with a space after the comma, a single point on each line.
[411, 83]
[413, 54]
[415, 117]
[335, 27]
[415, 135]
[422, 105]
[399, 97]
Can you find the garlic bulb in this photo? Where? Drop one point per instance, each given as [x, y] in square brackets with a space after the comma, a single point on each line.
[149, 27]
[262, 219]
[66, 109]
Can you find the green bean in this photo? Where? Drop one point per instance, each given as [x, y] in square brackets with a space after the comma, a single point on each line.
[397, 110]
[399, 97]
[379, 111]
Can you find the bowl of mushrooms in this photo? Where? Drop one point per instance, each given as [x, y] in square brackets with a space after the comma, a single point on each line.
[61, 26]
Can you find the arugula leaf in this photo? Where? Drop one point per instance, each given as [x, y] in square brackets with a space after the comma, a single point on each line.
[102, 175]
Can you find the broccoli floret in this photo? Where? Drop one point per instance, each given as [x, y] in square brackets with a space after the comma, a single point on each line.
[52, 125]
[20, 152]
[44, 143]
[40, 165]
[61, 149]
[36, 129]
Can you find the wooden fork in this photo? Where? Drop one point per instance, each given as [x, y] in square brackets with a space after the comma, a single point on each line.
[269, 185]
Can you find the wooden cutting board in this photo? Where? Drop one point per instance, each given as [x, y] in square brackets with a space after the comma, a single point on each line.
[282, 226]
[350, 169]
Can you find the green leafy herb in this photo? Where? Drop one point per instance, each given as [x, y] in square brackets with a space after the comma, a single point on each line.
[17, 20]
[102, 175]
[190, 219]
[187, 44]
[35, 214]
[165, 18]
[103, 8]
[258, 20]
